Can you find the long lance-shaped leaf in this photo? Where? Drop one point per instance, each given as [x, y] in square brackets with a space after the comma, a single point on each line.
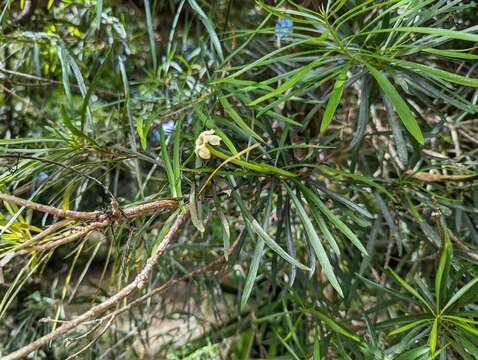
[315, 242]
[401, 107]
[339, 224]
[444, 266]
[335, 97]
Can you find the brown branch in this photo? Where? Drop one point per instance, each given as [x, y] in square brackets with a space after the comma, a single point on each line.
[149, 208]
[62, 240]
[142, 209]
[104, 220]
[69, 214]
[137, 283]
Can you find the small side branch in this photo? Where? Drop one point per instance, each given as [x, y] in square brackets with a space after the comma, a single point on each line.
[68, 214]
[98, 220]
[138, 210]
[62, 240]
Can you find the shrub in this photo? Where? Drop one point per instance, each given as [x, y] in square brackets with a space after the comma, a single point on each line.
[219, 179]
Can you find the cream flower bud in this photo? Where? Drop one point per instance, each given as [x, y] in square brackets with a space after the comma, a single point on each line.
[206, 137]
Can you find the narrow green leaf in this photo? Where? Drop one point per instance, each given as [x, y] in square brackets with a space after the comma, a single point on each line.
[396, 131]
[444, 266]
[94, 83]
[463, 346]
[455, 54]
[391, 221]
[31, 140]
[65, 70]
[177, 156]
[433, 340]
[339, 224]
[411, 290]
[265, 59]
[129, 115]
[390, 291]
[84, 271]
[315, 242]
[167, 163]
[461, 319]
[460, 293]
[284, 343]
[335, 326]
[414, 353]
[252, 274]
[151, 35]
[408, 326]
[209, 27]
[69, 125]
[316, 355]
[274, 246]
[79, 80]
[335, 98]
[237, 119]
[451, 34]
[467, 328]
[3, 15]
[451, 97]
[99, 12]
[330, 171]
[442, 74]
[326, 232]
[256, 257]
[164, 229]
[412, 207]
[141, 132]
[226, 232]
[406, 115]
[363, 113]
[336, 196]
[296, 77]
[446, 33]
[193, 206]
[258, 167]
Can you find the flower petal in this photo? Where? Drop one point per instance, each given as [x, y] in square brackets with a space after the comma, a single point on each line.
[203, 152]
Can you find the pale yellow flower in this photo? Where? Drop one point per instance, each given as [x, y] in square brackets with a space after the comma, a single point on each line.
[204, 138]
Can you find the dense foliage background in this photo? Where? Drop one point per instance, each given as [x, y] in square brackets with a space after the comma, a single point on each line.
[336, 219]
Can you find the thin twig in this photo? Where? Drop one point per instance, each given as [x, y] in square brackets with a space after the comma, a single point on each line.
[62, 240]
[149, 208]
[92, 342]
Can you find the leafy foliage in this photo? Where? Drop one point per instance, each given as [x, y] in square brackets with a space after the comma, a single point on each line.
[341, 201]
